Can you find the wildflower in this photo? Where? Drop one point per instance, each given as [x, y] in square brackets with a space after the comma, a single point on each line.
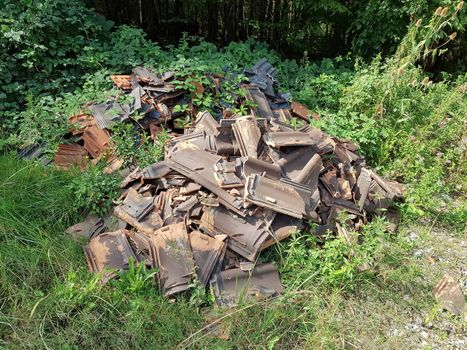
[438, 11]
[444, 12]
[453, 36]
[459, 6]
[418, 23]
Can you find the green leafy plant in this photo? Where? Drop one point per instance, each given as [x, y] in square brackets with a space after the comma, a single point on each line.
[136, 280]
[95, 191]
[137, 148]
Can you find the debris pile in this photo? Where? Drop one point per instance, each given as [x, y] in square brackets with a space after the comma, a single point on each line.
[228, 187]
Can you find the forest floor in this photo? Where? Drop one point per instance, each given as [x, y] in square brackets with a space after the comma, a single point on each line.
[54, 303]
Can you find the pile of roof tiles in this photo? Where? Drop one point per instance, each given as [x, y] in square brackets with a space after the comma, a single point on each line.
[229, 187]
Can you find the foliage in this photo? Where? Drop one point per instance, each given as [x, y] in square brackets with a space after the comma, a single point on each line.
[136, 280]
[407, 125]
[44, 48]
[94, 190]
[336, 262]
[134, 147]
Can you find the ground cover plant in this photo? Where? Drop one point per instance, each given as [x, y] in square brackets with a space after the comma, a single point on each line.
[409, 123]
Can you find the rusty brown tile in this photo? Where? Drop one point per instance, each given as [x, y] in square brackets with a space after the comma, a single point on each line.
[155, 171]
[246, 235]
[171, 254]
[68, 155]
[281, 196]
[282, 227]
[207, 253]
[449, 294]
[233, 286]
[79, 122]
[204, 121]
[309, 174]
[190, 188]
[136, 205]
[109, 252]
[122, 81]
[287, 138]
[96, 140]
[248, 136]
[148, 225]
[300, 111]
[89, 228]
[251, 166]
[200, 141]
[262, 108]
[144, 75]
[198, 166]
[362, 188]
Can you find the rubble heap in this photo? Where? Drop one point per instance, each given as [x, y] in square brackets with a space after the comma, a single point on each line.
[228, 188]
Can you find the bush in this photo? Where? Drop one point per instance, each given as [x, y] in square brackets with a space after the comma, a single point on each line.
[95, 191]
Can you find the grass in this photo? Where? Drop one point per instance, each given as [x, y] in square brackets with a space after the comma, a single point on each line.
[48, 299]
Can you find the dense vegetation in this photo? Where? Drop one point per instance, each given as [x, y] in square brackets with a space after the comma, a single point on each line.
[56, 55]
[319, 27]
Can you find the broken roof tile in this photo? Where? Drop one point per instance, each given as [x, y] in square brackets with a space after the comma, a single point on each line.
[207, 252]
[300, 111]
[89, 228]
[171, 254]
[122, 81]
[136, 205]
[198, 166]
[108, 252]
[70, 154]
[96, 140]
[248, 135]
[246, 235]
[283, 196]
[290, 138]
[233, 286]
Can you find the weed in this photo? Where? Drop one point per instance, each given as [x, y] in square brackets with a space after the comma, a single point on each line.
[95, 191]
[136, 280]
[135, 147]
